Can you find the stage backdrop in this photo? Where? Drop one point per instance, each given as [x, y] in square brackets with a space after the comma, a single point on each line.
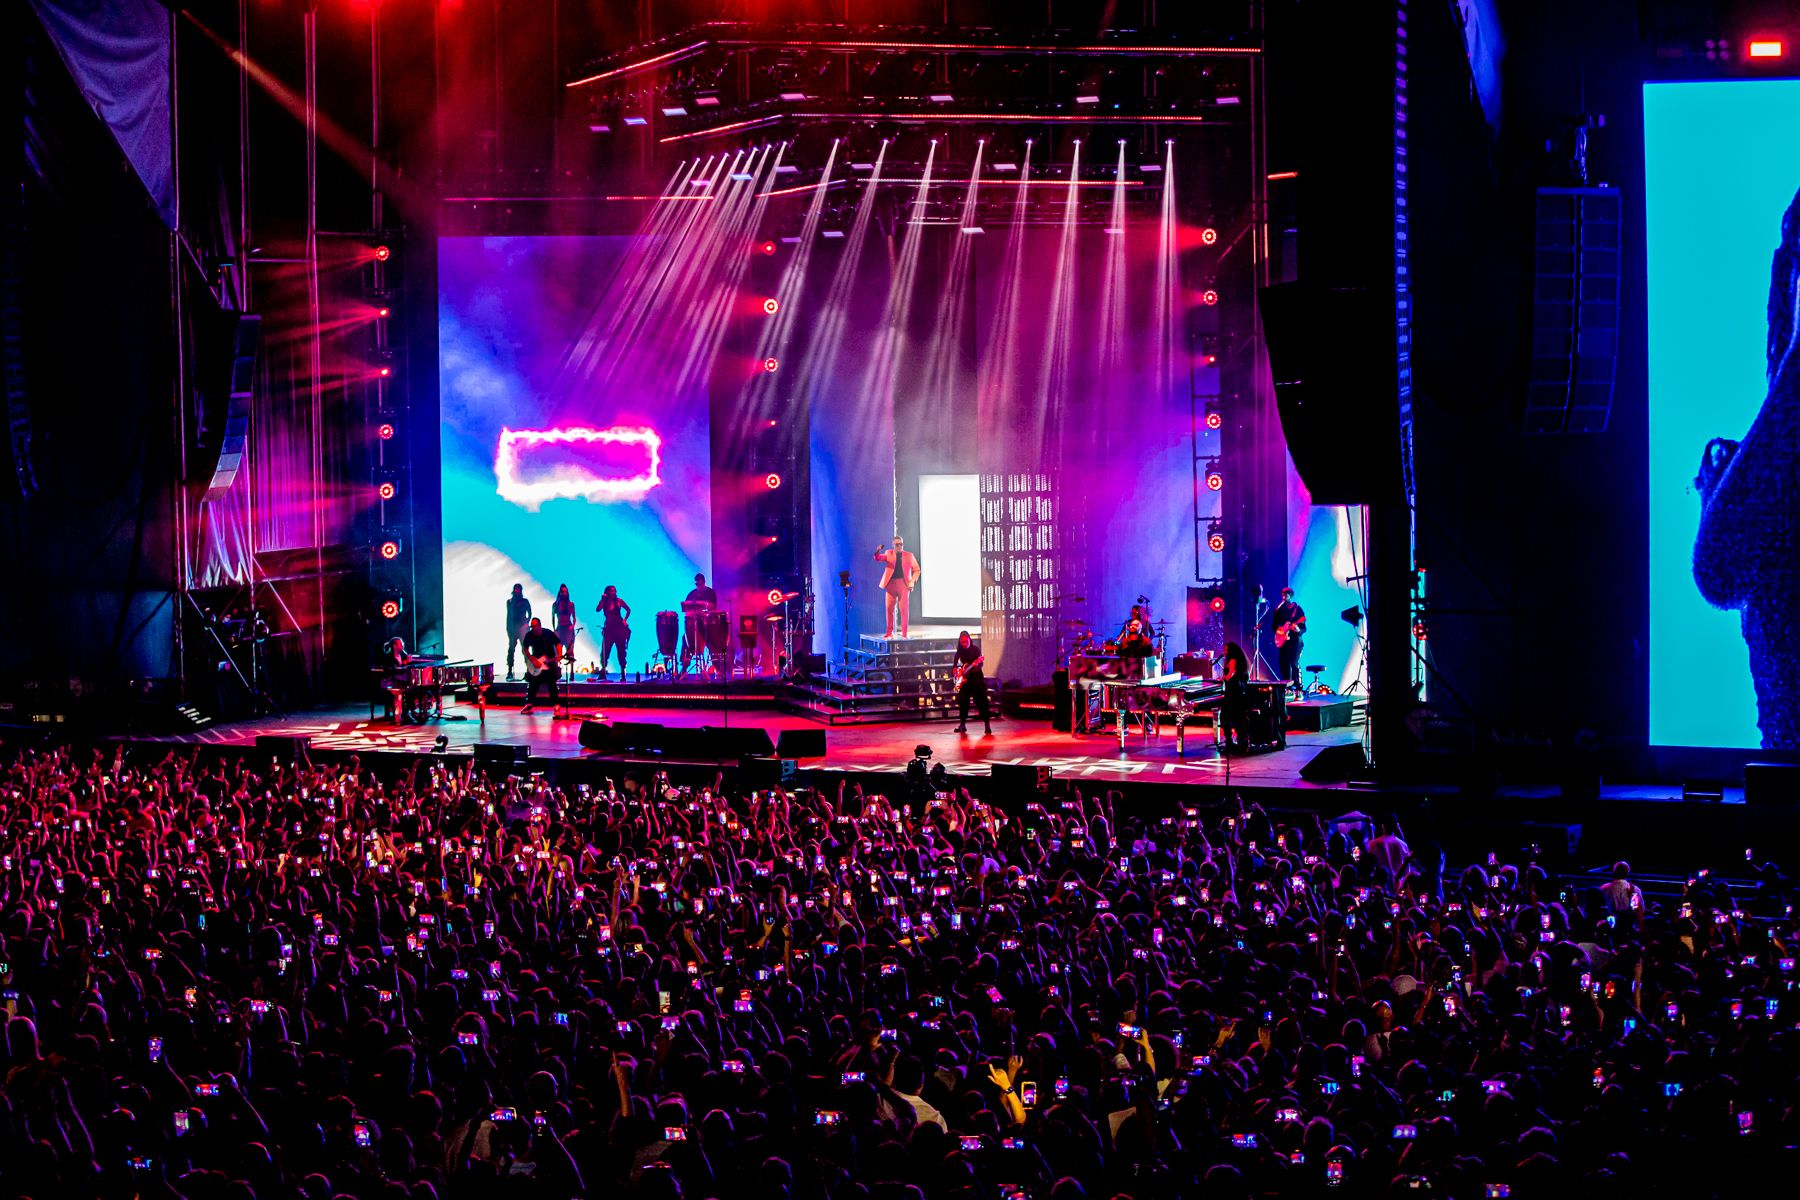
[550, 477]
[1722, 166]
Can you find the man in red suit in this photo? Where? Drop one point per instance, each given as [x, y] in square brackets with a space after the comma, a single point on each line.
[898, 578]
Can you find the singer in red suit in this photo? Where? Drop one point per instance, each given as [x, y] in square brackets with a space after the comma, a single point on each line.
[899, 576]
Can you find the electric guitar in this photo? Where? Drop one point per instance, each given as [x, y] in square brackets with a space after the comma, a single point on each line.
[536, 665]
[963, 669]
[1289, 629]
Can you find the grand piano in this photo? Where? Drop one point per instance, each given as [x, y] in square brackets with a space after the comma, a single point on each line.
[1145, 701]
[417, 687]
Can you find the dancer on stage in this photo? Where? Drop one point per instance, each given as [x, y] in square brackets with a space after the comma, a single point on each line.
[898, 579]
[614, 631]
[562, 613]
[518, 612]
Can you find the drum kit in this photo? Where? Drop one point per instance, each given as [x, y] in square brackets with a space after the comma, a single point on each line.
[1077, 636]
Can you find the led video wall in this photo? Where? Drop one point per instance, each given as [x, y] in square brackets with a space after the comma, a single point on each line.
[1722, 200]
[572, 453]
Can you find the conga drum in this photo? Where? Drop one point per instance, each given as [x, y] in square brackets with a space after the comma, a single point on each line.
[668, 633]
[715, 631]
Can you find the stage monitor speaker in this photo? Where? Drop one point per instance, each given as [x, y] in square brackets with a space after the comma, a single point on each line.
[1772, 784]
[596, 735]
[493, 756]
[801, 743]
[1336, 764]
[808, 663]
[286, 747]
[1062, 703]
[1706, 791]
[642, 737]
[733, 742]
[1342, 426]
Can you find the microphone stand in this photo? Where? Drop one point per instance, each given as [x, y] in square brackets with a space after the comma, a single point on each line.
[1262, 612]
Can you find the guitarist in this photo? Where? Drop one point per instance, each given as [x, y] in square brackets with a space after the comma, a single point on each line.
[971, 684]
[614, 631]
[1289, 622]
[542, 648]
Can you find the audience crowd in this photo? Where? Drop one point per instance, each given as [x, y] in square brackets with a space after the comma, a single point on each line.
[237, 979]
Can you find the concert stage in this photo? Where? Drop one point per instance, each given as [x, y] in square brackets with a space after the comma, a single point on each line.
[858, 749]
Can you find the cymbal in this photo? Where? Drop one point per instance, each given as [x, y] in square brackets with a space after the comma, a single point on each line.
[1073, 621]
[1164, 621]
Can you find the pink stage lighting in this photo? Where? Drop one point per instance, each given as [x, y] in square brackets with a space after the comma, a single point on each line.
[562, 475]
[385, 431]
[771, 364]
[1209, 236]
[772, 481]
[382, 254]
[771, 306]
[1214, 481]
[1209, 297]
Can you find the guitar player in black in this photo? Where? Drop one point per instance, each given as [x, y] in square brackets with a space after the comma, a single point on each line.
[973, 685]
[1289, 623]
[542, 649]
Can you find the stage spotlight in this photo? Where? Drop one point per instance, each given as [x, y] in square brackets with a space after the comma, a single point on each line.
[772, 480]
[771, 364]
[1765, 48]
[382, 254]
[1214, 480]
[1209, 297]
[1421, 630]
[767, 247]
[391, 607]
[389, 549]
[775, 597]
[1215, 420]
[1209, 236]
[771, 306]
[385, 431]
[1217, 603]
[1215, 539]
[1351, 616]
[385, 372]
[386, 489]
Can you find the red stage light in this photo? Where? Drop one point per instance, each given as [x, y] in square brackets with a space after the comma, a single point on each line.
[1209, 236]
[771, 364]
[774, 597]
[1214, 481]
[771, 422]
[1209, 297]
[1217, 604]
[1215, 420]
[771, 306]
[382, 312]
[772, 481]
[385, 432]
[1765, 48]
[390, 609]
[1421, 630]
[389, 549]
[1215, 542]
[385, 372]
[767, 247]
[386, 490]
[382, 254]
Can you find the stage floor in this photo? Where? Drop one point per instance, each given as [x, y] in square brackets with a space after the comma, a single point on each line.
[854, 748]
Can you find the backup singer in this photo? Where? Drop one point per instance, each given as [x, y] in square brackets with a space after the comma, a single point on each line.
[1236, 677]
[1288, 620]
[898, 578]
[972, 686]
[518, 612]
[614, 631]
[562, 612]
[542, 649]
